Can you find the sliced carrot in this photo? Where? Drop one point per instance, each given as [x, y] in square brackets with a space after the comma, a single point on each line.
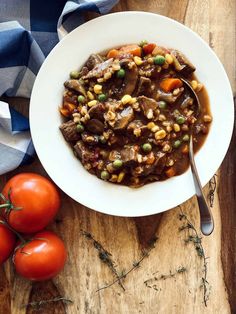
[65, 112]
[185, 149]
[170, 172]
[148, 48]
[135, 50]
[70, 107]
[170, 83]
[113, 53]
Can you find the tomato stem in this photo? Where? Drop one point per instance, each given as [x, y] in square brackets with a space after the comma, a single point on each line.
[13, 230]
[7, 205]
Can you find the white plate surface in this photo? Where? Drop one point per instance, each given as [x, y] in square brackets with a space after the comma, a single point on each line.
[57, 157]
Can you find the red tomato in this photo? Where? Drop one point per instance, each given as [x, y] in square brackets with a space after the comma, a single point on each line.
[37, 198]
[42, 258]
[7, 243]
[148, 48]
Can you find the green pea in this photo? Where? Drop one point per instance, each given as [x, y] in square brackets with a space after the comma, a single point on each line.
[177, 144]
[79, 128]
[105, 175]
[180, 120]
[146, 147]
[102, 97]
[120, 73]
[102, 139]
[162, 104]
[81, 99]
[143, 43]
[186, 138]
[74, 74]
[159, 60]
[117, 163]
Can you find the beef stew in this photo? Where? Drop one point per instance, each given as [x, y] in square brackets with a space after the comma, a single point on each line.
[129, 116]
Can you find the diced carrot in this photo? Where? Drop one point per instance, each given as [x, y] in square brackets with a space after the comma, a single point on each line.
[170, 172]
[70, 107]
[65, 112]
[185, 149]
[170, 83]
[113, 53]
[148, 48]
[135, 50]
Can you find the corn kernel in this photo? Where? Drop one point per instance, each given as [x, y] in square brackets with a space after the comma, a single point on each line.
[194, 84]
[97, 88]
[150, 114]
[155, 129]
[138, 60]
[162, 117]
[159, 135]
[176, 127]
[207, 118]
[126, 99]
[114, 178]
[116, 66]
[168, 128]
[165, 65]
[150, 60]
[100, 80]
[133, 100]
[150, 125]
[120, 177]
[137, 132]
[76, 117]
[169, 58]
[90, 95]
[92, 103]
[166, 148]
[199, 87]
[107, 75]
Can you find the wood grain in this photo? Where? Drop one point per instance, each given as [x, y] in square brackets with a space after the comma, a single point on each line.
[126, 238]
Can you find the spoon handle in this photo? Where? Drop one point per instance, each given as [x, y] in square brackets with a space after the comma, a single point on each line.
[206, 218]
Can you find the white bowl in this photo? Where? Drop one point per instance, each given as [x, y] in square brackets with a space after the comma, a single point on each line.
[57, 157]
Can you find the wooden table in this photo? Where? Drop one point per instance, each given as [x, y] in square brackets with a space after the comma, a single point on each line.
[169, 277]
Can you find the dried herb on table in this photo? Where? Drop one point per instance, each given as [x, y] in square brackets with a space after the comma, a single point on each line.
[136, 264]
[151, 282]
[194, 238]
[41, 303]
[105, 256]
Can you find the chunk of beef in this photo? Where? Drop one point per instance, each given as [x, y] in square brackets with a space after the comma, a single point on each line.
[168, 97]
[92, 61]
[130, 79]
[129, 154]
[123, 118]
[181, 63]
[144, 86]
[160, 162]
[97, 111]
[95, 126]
[148, 105]
[100, 69]
[85, 153]
[68, 129]
[75, 85]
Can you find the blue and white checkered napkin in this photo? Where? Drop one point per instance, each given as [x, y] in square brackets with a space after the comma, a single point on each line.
[29, 29]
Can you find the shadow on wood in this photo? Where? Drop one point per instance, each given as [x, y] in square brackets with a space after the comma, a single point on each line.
[146, 228]
[42, 291]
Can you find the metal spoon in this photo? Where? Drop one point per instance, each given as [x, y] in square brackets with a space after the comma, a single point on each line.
[206, 218]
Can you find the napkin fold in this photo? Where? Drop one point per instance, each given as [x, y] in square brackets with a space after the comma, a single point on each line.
[29, 29]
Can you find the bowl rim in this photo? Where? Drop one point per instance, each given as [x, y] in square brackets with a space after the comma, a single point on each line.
[94, 21]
